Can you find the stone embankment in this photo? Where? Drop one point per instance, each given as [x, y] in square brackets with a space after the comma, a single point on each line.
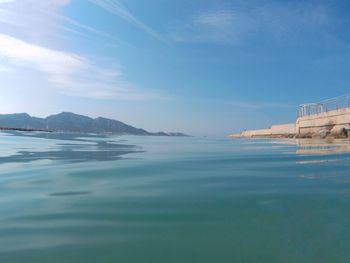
[333, 124]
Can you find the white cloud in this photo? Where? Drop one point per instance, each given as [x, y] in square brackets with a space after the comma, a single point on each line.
[67, 73]
[26, 20]
[40, 21]
[45, 59]
[28, 43]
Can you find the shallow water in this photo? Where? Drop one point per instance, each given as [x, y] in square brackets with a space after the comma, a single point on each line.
[79, 198]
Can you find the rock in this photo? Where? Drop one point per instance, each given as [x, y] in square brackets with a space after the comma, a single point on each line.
[339, 131]
[303, 136]
[322, 133]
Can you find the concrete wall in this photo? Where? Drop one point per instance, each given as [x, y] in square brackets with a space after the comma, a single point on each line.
[313, 123]
[275, 130]
[284, 129]
[256, 133]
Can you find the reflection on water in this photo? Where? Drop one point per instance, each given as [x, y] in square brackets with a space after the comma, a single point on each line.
[68, 147]
[70, 193]
[313, 146]
[322, 146]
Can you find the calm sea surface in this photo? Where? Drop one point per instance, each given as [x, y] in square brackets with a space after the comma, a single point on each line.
[78, 198]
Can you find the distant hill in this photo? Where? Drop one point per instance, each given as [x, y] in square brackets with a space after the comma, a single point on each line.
[71, 122]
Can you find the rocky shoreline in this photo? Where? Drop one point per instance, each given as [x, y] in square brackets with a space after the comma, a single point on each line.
[332, 131]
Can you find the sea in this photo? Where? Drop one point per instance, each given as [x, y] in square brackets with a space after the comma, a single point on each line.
[143, 199]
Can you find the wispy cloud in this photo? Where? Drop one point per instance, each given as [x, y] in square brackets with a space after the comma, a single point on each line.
[26, 19]
[79, 25]
[116, 8]
[207, 27]
[67, 73]
[215, 19]
[44, 16]
[75, 27]
[25, 46]
[240, 23]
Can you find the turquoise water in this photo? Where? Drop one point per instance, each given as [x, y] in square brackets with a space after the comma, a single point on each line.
[79, 198]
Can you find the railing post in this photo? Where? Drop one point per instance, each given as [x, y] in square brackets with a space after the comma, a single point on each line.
[337, 103]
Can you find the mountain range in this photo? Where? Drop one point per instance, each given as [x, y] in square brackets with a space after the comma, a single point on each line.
[71, 122]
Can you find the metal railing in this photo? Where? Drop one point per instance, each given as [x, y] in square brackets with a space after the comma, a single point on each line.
[337, 103]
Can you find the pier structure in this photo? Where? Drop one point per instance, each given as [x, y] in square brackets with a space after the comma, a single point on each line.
[324, 106]
[325, 118]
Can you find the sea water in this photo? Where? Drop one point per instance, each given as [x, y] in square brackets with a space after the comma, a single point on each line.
[87, 198]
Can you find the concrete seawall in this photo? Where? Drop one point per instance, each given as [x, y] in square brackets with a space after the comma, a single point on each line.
[283, 130]
[334, 123]
[323, 121]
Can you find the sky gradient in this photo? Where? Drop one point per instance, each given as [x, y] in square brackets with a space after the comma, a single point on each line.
[204, 67]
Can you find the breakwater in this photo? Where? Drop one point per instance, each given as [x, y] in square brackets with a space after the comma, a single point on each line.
[330, 118]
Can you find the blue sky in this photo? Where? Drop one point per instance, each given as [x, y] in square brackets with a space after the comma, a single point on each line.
[204, 67]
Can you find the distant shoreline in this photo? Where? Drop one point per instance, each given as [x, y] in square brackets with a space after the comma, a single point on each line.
[22, 129]
[104, 133]
[71, 122]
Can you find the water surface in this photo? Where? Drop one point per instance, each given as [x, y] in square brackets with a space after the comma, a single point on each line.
[88, 198]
